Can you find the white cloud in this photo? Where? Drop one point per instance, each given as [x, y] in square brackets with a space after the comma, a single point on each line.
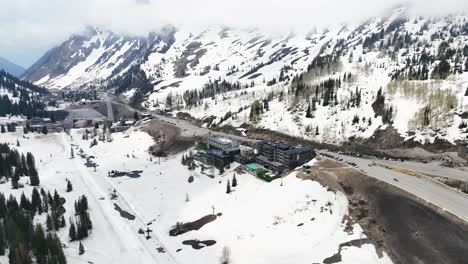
[29, 27]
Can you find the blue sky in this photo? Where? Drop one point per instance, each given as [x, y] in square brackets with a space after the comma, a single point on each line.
[28, 28]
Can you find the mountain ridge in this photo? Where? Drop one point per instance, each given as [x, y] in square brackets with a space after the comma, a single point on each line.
[11, 67]
[329, 86]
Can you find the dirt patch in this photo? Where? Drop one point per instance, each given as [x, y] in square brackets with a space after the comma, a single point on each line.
[182, 228]
[353, 243]
[123, 213]
[130, 174]
[180, 144]
[167, 137]
[199, 244]
[408, 229]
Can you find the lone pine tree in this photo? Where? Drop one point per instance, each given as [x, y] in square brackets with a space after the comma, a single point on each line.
[234, 181]
[69, 186]
[72, 231]
[81, 249]
[228, 187]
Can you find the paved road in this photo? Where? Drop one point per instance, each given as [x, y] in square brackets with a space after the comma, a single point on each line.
[189, 129]
[433, 192]
[432, 168]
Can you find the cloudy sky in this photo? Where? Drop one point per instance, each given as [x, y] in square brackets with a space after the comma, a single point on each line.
[28, 28]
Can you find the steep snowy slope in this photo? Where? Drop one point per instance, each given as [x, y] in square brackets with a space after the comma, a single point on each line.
[175, 57]
[85, 59]
[408, 73]
[328, 85]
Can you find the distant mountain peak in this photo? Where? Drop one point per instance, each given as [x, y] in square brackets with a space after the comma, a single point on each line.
[11, 67]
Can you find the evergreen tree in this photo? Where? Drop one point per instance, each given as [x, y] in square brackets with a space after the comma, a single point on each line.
[36, 201]
[34, 178]
[56, 220]
[38, 244]
[81, 249]
[72, 155]
[44, 130]
[49, 223]
[308, 112]
[69, 186]
[72, 231]
[3, 242]
[234, 181]
[30, 163]
[3, 128]
[45, 200]
[3, 206]
[19, 254]
[228, 187]
[83, 220]
[15, 180]
[25, 203]
[62, 222]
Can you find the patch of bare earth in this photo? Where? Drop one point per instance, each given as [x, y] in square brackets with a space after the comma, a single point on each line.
[182, 228]
[168, 139]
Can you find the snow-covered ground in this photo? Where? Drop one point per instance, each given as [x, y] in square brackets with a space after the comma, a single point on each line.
[299, 222]
[11, 119]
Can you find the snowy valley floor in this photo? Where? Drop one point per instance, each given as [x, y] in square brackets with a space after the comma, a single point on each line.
[299, 222]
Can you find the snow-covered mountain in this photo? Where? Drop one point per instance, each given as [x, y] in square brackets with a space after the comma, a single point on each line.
[327, 85]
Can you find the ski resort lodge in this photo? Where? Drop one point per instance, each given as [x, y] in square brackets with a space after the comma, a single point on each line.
[277, 157]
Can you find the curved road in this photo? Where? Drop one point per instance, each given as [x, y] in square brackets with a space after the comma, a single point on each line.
[427, 189]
